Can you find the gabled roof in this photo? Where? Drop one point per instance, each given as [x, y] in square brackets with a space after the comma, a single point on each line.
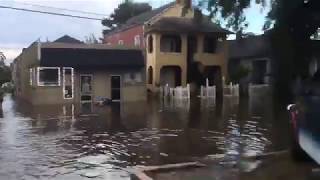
[141, 19]
[185, 25]
[68, 39]
[91, 58]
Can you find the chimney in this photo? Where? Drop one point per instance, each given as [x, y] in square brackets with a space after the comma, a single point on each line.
[185, 3]
[198, 17]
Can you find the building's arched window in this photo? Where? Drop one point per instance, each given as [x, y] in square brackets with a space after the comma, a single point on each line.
[150, 44]
[150, 75]
[137, 40]
[170, 43]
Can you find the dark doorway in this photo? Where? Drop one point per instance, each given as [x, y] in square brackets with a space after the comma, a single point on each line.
[170, 43]
[259, 71]
[150, 75]
[116, 88]
[86, 88]
[213, 73]
[170, 75]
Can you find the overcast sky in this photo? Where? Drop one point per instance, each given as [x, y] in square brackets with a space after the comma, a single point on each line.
[19, 29]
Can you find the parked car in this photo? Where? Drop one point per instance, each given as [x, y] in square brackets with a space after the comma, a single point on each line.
[305, 121]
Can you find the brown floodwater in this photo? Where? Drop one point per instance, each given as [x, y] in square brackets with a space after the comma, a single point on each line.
[81, 141]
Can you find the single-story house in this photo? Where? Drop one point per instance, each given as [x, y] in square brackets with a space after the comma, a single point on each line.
[69, 71]
[252, 56]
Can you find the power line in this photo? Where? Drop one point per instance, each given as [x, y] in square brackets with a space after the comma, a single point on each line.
[50, 13]
[63, 9]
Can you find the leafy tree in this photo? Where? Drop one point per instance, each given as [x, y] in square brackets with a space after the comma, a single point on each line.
[240, 72]
[231, 11]
[289, 26]
[2, 58]
[5, 72]
[91, 39]
[125, 11]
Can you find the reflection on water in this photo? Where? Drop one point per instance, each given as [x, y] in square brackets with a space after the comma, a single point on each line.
[1, 111]
[79, 141]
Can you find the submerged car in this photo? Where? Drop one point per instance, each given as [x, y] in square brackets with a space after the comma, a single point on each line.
[305, 121]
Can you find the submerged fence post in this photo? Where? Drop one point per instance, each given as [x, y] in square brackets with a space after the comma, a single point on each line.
[188, 88]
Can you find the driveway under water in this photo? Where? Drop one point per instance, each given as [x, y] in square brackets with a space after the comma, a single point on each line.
[77, 142]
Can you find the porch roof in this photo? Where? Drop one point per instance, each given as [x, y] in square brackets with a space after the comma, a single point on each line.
[185, 25]
[250, 47]
[91, 58]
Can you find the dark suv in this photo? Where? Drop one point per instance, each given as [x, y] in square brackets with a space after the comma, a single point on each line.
[305, 121]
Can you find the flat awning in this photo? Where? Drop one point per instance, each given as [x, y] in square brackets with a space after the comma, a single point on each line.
[91, 58]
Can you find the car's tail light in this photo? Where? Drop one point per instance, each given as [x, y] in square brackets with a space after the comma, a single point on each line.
[293, 115]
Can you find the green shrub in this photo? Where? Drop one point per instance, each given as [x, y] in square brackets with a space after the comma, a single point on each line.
[240, 72]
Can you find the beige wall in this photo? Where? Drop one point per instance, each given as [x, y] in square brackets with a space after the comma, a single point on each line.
[34, 94]
[100, 86]
[27, 59]
[158, 59]
[220, 58]
[48, 95]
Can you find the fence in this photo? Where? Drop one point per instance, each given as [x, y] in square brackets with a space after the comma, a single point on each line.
[231, 90]
[175, 93]
[208, 91]
[165, 91]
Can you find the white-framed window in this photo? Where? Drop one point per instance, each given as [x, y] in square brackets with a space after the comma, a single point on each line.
[68, 83]
[49, 76]
[120, 42]
[133, 77]
[31, 76]
[137, 40]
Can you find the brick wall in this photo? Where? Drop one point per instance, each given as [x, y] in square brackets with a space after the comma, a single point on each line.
[127, 37]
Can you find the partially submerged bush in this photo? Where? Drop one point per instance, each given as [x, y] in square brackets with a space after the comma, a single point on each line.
[240, 72]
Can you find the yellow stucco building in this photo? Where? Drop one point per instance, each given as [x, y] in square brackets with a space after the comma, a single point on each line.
[183, 46]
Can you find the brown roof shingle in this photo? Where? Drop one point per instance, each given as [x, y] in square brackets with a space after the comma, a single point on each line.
[141, 19]
[185, 25]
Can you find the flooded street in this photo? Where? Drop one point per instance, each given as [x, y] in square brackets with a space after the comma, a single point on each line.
[81, 142]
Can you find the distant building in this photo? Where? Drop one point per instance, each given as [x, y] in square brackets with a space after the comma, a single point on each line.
[252, 53]
[131, 33]
[182, 45]
[68, 71]
[314, 64]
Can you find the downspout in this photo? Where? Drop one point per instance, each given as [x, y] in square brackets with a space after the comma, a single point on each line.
[38, 58]
[39, 50]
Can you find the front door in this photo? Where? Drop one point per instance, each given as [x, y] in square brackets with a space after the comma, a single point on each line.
[116, 88]
[86, 88]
